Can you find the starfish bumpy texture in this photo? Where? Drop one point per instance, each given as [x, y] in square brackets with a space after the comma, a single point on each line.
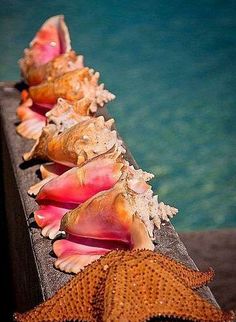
[130, 286]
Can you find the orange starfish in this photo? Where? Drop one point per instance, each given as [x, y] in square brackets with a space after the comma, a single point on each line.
[130, 286]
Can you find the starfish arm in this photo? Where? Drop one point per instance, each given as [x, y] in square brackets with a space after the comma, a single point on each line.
[78, 300]
[140, 289]
[192, 278]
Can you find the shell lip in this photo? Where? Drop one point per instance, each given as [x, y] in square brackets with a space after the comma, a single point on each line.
[109, 243]
[59, 204]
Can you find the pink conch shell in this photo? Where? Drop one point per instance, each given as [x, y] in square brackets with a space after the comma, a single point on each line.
[82, 182]
[105, 216]
[72, 188]
[78, 144]
[50, 41]
[71, 86]
[58, 66]
[32, 119]
[48, 172]
[104, 222]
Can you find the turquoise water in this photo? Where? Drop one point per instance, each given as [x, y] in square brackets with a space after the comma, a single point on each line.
[171, 65]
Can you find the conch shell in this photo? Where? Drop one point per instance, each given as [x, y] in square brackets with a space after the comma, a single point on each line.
[78, 144]
[82, 183]
[50, 41]
[102, 223]
[121, 217]
[72, 86]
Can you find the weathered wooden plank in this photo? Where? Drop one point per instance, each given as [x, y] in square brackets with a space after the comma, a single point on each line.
[32, 262]
[24, 276]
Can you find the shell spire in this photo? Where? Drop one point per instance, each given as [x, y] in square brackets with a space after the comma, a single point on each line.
[66, 114]
[76, 145]
[96, 93]
[141, 198]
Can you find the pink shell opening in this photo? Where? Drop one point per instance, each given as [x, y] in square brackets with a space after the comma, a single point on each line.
[82, 183]
[51, 40]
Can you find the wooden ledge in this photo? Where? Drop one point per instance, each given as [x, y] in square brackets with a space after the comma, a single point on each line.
[32, 272]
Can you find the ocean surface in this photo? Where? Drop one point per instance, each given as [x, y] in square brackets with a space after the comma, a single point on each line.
[171, 65]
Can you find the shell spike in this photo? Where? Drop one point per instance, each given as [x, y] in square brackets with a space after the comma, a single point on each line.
[110, 123]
